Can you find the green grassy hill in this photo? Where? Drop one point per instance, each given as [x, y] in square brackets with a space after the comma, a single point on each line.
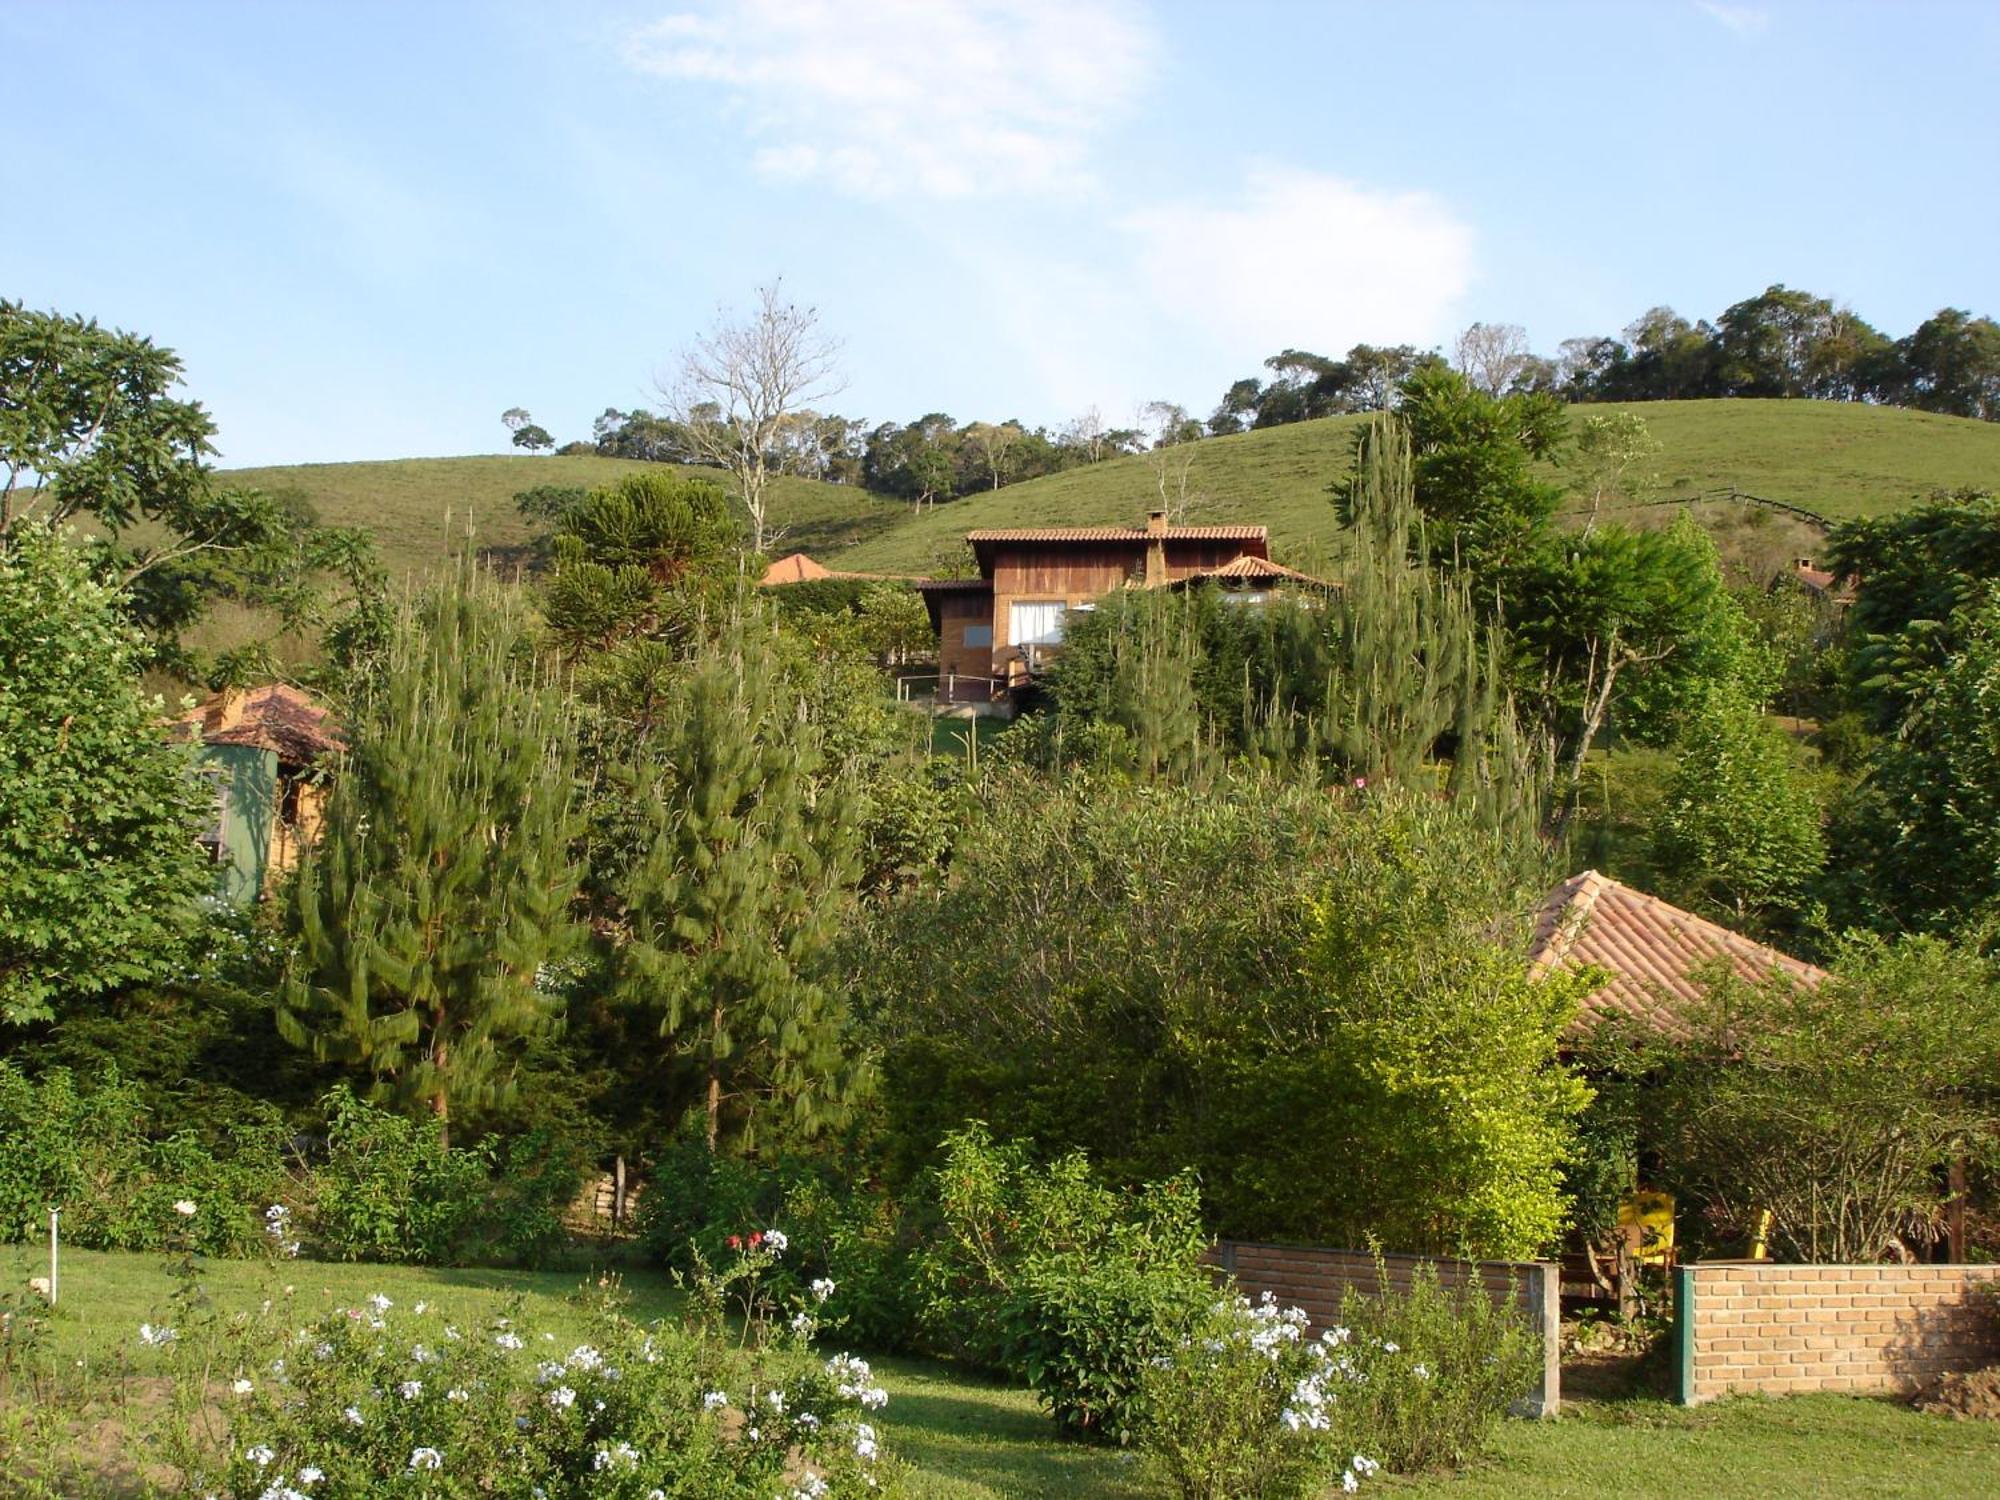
[415, 506]
[1838, 459]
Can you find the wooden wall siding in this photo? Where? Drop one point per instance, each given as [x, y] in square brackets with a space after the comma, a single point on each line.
[955, 613]
[1318, 1280]
[1764, 1326]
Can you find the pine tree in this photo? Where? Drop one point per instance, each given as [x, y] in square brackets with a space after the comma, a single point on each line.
[442, 883]
[750, 849]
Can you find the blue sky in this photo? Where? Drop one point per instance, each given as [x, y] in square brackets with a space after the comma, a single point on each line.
[369, 228]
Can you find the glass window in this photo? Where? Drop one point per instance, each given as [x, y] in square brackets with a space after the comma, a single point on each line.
[1036, 624]
[979, 635]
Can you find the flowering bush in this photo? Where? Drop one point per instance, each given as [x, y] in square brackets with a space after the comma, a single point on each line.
[379, 1400]
[1245, 1403]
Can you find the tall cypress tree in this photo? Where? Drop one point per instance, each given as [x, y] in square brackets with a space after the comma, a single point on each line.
[749, 851]
[443, 878]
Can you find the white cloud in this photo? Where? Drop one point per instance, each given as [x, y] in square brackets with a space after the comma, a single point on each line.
[936, 98]
[1305, 259]
[1744, 20]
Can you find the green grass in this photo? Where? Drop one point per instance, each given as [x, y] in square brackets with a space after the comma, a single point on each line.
[1836, 458]
[417, 507]
[1839, 459]
[970, 1439]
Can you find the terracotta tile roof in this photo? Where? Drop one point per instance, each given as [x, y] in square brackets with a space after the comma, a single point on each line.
[798, 568]
[949, 585]
[1257, 568]
[273, 717]
[1648, 946]
[1122, 534]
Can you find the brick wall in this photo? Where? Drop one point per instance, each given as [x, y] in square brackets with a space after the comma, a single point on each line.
[1761, 1326]
[1317, 1279]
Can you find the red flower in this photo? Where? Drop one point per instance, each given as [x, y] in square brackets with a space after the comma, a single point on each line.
[734, 1242]
[756, 1238]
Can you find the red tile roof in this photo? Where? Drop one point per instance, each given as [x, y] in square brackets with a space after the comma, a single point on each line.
[273, 717]
[1257, 568]
[1649, 947]
[1122, 534]
[798, 568]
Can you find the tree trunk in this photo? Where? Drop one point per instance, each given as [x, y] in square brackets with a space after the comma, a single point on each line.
[714, 1078]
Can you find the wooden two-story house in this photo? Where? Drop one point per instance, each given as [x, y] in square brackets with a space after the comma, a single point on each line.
[995, 631]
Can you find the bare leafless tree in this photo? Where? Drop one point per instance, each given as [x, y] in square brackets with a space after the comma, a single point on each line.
[1493, 356]
[739, 386]
[1175, 442]
[1088, 435]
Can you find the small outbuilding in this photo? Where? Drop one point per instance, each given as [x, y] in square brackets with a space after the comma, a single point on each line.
[267, 750]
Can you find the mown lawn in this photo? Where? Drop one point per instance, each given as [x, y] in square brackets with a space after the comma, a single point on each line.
[969, 1439]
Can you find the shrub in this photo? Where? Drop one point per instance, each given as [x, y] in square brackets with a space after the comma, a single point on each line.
[1243, 1403]
[1441, 1365]
[841, 1227]
[1044, 1274]
[378, 1400]
[390, 1190]
[84, 1148]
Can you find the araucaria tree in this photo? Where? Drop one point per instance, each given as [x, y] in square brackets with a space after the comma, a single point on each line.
[442, 885]
[99, 869]
[740, 385]
[749, 851]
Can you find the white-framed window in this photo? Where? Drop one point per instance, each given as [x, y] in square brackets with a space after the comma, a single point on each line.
[1037, 622]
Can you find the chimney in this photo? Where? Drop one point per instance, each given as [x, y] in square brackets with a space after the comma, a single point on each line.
[1804, 563]
[1156, 549]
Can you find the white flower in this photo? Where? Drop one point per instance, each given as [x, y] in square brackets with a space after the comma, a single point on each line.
[1349, 1483]
[310, 1475]
[562, 1398]
[776, 1398]
[822, 1288]
[352, 1416]
[185, 1208]
[457, 1393]
[546, 1371]
[322, 1351]
[409, 1390]
[420, 1355]
[426, 1458]
[1364, 1466]
[381, 1304]
[864, 1440]
[156, 1337]
[260, 1455]
[421, 1308]
[1388, 1348]
[803, 1324]
[1422, 1372]
[714, 1401]
[583, 1357]
[240, 1386]
[508, 1340]
[451, 1333]
[775, 1241]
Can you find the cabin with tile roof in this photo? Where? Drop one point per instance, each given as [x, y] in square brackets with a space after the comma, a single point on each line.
[997, 631]
[266, 749]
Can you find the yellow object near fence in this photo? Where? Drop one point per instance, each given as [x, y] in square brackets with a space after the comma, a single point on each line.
[1652, 1215]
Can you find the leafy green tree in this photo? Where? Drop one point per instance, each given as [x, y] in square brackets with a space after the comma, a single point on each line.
[1950, 364]
[441, 887]
[1609, 448]
[640, 557]
[747, 853]
[89, 427]
[1627, 619]
[100, 873]
[1923, 834]
[1739, 832]
[1835, 1108]
[1474, 457]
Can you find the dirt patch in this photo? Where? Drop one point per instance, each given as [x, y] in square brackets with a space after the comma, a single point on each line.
[1967, 1396]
